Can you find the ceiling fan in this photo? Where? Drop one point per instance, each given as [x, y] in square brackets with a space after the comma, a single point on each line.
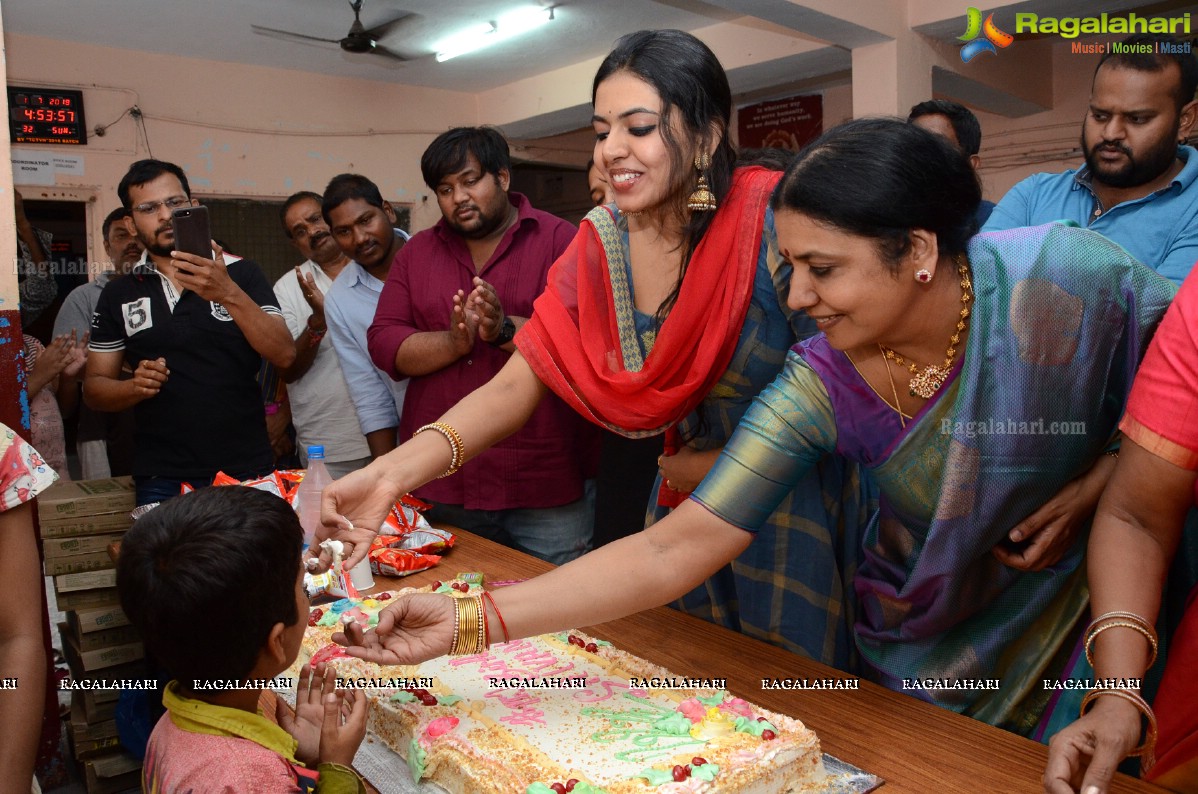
[359, 40]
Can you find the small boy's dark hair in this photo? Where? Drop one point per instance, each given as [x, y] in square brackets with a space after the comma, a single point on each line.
[206, 575]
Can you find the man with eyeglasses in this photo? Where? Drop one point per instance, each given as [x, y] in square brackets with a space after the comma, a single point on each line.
[194, 332]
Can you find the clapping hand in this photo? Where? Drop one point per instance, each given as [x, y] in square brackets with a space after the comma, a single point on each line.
[485, 305]
[463, 324]
[311, 292]
[413, 629]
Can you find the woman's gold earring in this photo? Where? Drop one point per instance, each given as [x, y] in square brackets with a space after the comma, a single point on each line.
[702, 199]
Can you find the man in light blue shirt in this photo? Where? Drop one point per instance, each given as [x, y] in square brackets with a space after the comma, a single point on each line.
[362, 224]
[1137, 186]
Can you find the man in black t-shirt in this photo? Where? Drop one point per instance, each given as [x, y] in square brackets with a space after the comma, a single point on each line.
[193, 331]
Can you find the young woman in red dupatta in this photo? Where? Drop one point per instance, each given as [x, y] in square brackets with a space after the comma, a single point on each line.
[672, 297]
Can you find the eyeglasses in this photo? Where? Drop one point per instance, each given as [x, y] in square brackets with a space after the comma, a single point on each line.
[151, 207]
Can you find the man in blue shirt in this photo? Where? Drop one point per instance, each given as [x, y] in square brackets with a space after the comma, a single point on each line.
[363, 223]
[1137, 186]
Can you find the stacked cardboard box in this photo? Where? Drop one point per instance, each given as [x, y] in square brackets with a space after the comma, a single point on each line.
[79, 520]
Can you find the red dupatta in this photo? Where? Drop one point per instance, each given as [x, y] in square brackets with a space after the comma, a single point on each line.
[573, 341]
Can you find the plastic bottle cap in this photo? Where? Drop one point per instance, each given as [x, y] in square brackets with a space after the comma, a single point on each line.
[316, 451]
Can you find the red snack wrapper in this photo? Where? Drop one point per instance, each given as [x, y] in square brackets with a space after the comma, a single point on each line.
[390, 561]
[270, 483]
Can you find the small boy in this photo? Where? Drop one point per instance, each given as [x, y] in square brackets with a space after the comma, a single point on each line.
[213, 582]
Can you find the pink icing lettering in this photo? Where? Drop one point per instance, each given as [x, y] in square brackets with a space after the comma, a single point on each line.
[522, 705]
[592, 695]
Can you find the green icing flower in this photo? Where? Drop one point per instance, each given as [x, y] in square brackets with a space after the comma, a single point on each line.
[675, 724]
[416, 759]
[705, 772]
[403, 697]
[582, 787]
[447, 700]
[656, 777]
[755, 727]
[714, 700]
[539, 788]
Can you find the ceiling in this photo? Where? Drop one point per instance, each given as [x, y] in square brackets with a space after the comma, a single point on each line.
[768, 46]
[220, 30]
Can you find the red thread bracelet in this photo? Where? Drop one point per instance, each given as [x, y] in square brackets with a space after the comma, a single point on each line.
[502, 624]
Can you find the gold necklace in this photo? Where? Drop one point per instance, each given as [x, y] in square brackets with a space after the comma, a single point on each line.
[896, 406]
[925, 383]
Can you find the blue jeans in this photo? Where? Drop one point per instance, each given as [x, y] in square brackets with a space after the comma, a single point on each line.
[555, 534]
[159, 489]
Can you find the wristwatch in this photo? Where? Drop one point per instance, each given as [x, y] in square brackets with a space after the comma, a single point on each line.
[506, 332]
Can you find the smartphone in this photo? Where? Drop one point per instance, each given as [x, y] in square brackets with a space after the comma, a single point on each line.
[192, 235]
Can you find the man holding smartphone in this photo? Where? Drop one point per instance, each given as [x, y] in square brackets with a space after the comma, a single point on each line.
[193, 329]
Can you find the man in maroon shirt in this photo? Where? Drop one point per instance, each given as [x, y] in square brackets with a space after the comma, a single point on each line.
[452, 302]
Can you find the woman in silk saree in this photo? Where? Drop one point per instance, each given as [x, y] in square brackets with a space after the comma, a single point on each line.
[980, 381]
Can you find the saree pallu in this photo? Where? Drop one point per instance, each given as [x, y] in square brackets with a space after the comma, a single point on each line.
[589, 344]
[782, 589]
[1060, 321]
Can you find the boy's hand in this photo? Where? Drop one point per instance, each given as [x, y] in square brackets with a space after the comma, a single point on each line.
[344, 726]
[305, 724]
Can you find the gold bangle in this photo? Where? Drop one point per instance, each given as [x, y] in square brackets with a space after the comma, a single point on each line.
[470, 632]
[456, 446]
[1147, 749]
[1127, 620]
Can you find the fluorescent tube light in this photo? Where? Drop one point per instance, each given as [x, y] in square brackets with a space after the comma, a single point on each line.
[488, 33]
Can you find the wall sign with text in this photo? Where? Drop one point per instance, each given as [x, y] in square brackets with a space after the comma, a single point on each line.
[781, 124]
[46, 115]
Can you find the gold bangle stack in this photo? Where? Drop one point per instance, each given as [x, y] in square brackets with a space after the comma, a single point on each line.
[1147, 749]
[1126, 620]
[456, 446]
[469, 626]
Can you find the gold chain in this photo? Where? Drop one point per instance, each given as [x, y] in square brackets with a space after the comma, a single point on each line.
[926, 382]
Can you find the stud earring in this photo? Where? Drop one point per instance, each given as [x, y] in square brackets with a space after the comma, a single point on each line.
[702, 199]
[923, 275]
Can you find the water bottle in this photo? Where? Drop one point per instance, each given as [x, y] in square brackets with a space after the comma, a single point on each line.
[307, 498]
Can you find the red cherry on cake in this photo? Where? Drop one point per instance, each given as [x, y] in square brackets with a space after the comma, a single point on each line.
[575, 640]
[697, 761]
[436, 585]
[681, 773]
[315, 615]
[559, 788]
[592, 647]
[571, 783]
[767, 735]
[383, 597]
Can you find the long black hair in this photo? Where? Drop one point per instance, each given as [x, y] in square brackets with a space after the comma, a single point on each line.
[692, 85]
[880, 178]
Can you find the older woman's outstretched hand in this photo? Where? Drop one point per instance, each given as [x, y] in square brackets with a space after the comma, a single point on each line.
[1083, 757]
[353, 509]
[414, 629]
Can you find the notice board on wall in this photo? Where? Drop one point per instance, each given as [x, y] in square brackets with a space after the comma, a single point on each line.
[789, 123]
